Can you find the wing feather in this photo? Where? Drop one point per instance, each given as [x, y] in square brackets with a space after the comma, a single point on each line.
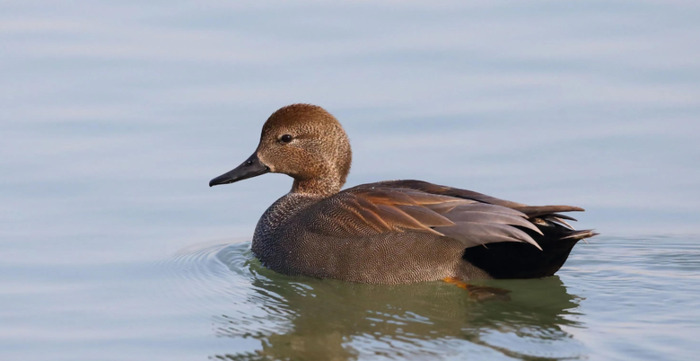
[378, 208]
[474, 234]
[493, 217]
[427, 215]
[539, 211]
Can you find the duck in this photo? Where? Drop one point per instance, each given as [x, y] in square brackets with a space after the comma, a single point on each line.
[388, 232]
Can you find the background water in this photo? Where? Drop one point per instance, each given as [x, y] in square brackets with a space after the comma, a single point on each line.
[115, 115]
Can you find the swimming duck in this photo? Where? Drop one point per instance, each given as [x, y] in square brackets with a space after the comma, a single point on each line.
[388, 232]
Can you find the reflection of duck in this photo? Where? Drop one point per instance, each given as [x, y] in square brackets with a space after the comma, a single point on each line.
[311, 319]
[388, 232]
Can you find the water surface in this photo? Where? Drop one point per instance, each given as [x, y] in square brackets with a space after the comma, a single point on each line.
[116, 114]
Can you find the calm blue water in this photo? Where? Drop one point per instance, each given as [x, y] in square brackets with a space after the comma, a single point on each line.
[115, 115]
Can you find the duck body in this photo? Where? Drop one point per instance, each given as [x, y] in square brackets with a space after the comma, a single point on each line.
[292, 237]
[388, 232]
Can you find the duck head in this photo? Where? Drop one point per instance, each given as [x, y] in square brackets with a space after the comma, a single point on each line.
[303, 141]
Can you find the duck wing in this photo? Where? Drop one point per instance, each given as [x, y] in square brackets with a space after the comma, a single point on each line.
[549, 215]
[398, 206]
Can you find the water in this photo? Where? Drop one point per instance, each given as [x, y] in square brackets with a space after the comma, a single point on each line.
[116, 114]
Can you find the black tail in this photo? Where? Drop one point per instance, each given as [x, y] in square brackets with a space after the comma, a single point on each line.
[522, 260]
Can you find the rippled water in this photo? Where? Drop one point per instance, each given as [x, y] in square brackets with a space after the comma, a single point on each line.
[114, 116]
[597, 307]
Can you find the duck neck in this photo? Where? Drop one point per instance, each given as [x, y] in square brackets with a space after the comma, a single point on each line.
[318, 186]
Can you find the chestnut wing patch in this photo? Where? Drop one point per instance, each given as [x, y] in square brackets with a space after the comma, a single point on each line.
[374, 209]
[540, 215]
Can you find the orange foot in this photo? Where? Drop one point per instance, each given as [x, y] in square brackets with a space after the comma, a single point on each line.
[479, 293]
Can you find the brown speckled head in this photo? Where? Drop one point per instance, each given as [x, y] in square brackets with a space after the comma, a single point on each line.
[309, 144]
[305, 142]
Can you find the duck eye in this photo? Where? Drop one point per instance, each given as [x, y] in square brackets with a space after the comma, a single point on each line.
[286, 138]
